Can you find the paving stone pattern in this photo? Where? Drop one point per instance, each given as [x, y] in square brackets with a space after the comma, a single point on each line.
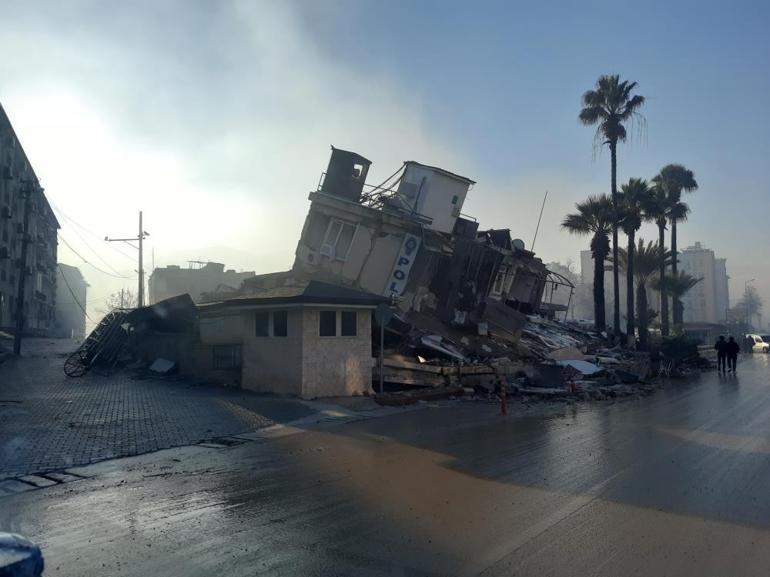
[49, 422]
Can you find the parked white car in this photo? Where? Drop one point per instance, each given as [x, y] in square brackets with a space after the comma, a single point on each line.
[757, 344]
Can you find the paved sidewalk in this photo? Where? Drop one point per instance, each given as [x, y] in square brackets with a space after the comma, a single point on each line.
[50, 422]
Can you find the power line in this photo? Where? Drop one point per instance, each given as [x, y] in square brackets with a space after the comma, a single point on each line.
[108, 265]
[92, 233]
[66, 282]
[90, 263]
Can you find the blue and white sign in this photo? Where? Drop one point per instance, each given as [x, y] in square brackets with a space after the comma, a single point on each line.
[404, 261]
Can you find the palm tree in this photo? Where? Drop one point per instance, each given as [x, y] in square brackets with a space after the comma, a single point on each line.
[635, 195]
[675, 179]
[595, 216]
[647, 259]
[677, 286]
[609, 106]
[656, 208]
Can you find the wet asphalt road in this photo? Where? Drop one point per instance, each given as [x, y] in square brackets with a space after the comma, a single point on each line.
[672, 484]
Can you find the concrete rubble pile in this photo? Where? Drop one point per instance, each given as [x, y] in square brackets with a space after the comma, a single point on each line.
[470, 311]
[475, 310]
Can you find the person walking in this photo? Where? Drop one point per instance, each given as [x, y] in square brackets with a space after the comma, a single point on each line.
[721, 348]
[732, 355]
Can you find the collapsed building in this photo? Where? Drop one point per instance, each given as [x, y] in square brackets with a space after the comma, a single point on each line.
[407, 239]
[460, 293]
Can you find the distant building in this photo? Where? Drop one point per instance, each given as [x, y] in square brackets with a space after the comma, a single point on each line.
[17, 178]
[211, 277]
[707, 301]
[722, 282]
[71, 296]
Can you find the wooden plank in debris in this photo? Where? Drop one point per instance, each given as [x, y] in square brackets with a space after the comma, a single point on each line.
[410, 378]
[475, 370]
[422, 367]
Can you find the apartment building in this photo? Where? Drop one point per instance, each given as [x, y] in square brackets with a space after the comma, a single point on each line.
[71, 298]
[708, 300]
[20, 190]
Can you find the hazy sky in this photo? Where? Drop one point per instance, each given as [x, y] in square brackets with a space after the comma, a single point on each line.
[216, 118]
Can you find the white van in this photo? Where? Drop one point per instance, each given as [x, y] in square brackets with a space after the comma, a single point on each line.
[757, 344]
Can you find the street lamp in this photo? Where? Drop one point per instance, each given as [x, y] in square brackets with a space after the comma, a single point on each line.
[746, 299]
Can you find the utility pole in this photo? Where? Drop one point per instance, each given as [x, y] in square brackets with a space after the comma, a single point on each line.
[27, 191]
[140, 295]
[140, 239]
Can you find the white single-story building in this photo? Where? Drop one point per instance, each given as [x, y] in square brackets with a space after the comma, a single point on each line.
[302, 337]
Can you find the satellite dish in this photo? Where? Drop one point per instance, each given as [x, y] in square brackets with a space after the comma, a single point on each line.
[518, 244]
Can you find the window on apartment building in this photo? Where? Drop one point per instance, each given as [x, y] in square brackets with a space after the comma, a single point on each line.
[337, 240]
[226, 357]
[499, 280]
[348, 323]
[262, 324]
[327, 324]
[280, 323]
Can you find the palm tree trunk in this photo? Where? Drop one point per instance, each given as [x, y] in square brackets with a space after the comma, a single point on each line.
[678, 312]
[599, 313]
[615, 276]
[641, 313]
[662, 271]
[630, 286]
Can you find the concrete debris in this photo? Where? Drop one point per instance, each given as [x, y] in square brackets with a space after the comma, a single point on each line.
[162, 366]
[466, 307]
[443, 347]
[583, 367]
[565, 354]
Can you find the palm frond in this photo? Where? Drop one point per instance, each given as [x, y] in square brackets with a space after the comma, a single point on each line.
[676, 285]
[610, 105]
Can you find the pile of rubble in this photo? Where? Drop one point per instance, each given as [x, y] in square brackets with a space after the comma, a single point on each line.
[550, 360]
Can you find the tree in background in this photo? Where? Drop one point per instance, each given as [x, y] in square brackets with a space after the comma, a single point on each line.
[749, 306]
[675, 179]
[677, 286]
[656, 209]
[647, 259]
[595, 217]
[122, 299]
[609, 106]
[633, 199]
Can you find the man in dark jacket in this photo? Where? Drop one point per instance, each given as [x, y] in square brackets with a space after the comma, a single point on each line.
[721, 349]
[732, 354]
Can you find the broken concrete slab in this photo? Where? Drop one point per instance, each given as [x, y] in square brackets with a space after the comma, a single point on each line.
[566, 354]
[583, 367]
[442, 346]
[162, 366]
